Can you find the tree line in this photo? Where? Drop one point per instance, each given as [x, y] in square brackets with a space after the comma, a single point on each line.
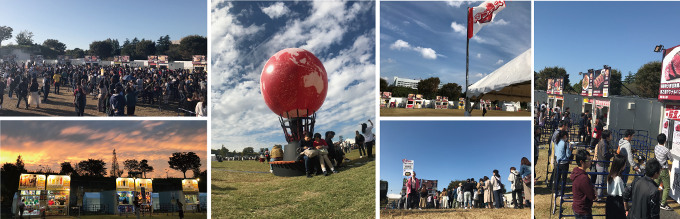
[137, 49]
[224, 152]
[429, 88]
[644, 83]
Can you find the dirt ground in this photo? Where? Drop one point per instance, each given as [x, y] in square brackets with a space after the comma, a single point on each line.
[62, 105]
[446, 112]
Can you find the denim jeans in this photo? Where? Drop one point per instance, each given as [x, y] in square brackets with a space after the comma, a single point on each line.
[310, 164]
[467, 198]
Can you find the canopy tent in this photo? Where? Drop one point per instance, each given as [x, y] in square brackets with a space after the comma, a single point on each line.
[510, 82]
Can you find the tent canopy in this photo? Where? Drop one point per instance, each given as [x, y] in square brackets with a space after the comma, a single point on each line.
[510, 82]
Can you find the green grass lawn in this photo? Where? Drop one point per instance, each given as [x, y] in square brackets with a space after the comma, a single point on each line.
[348, 194]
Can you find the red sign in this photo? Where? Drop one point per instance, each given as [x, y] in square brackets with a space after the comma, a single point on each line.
[672, 112]
[600, 83]
[669, 88]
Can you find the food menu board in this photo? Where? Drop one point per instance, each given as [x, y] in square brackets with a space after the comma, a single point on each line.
[162, 59]
[146, 183]
[408, 167]
[555, 86]
[586, 85]
[600, 83]
[386, 95]
[58, 182]
[411, 96]
[669, 88]
[125, 184]
[419, 96]
[124, 59]
[190, 185]
[198, 60]
[31, 182]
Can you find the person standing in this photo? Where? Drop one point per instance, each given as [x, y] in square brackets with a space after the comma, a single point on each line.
[496, 178]
[625, 150]
[2, 91]
[488, 192]
[412, 185]
[562, 154]
[79, 101]
[46, 88]
[22, 91]
[130, 100]
[525, 173]
[663, 155]
[600, 151]
[583, 189]
[644, 193]
[57, 82]
[369, 138]
[359, 141]
[34, 97]
[516, 185]
[118, 102]
[615, 207]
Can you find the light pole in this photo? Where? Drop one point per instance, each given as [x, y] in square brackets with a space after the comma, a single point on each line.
[661, 49]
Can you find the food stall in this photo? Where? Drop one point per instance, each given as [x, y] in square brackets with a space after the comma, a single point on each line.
[595, 90]
[385, 98]
[441, 103]
[555, 91]
[190, 190]
[33, 196]
[125, 195]
[143, 190]
[669, 95]
[58, 191]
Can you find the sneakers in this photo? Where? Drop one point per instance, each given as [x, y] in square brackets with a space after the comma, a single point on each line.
[335, 171]
[309, 175]
[361, 156]
[666, 207]
[325, 173]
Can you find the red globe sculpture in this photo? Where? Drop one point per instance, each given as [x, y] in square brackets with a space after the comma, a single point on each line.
[294, 83]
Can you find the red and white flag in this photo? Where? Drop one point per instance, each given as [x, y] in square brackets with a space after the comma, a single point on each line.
[482, 15]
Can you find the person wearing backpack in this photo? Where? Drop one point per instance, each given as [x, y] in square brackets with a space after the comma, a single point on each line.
[516, 185]
[359, 140]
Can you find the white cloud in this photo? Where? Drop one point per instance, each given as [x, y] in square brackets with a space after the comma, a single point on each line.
[275, 10]
[458, 28]
[500, 61]
[479, 55]
[427, 53]
[456, 4]
[499, 22]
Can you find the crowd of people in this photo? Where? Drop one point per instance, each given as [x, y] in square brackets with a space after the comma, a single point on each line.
[116, 89]
[610, 166]
[487, 192]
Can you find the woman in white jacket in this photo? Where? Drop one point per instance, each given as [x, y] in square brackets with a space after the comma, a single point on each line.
[496, 181]
[516, 192]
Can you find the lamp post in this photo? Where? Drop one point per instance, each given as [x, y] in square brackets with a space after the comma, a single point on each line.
[661, 49]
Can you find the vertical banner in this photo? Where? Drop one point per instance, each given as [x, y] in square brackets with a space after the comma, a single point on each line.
[670, 76]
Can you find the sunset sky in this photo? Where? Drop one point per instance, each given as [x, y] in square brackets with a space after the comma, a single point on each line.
[50, 143]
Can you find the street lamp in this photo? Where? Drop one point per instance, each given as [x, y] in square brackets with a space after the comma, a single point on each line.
[661, 49]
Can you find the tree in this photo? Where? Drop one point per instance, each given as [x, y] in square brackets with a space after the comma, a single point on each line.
[163, 45]
[184, 161]
[55, 45]
[92, 167]
[648, 79]
[224, 151]
[102, 49]
[383, 85]
[145, 167]
[66, 168]
[131, 166]
[75, 53]
[398, 91]
[9, 180]
[428, 87]
[248, 150]
[128, 49]
[577, 87]
[25, 38]
[193, 45]
[20, 164]
[615, 82]
[541, 78]
[455, 183]
[630, 78]
[145, 48]
[5, 33]
[115, 47]
[451, 90]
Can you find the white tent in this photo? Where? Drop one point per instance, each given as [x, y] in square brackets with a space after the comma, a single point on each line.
[510, 82]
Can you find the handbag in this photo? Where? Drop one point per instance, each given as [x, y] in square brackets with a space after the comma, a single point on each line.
[323, 151]
[527, 180]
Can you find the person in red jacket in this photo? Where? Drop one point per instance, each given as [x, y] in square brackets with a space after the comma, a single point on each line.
[412, 185]
[584, 191]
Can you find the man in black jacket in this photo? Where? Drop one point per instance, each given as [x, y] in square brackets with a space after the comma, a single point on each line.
[646, 198]
[22, 92]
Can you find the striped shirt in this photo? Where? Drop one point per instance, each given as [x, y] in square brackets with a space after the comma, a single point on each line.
[662, 154]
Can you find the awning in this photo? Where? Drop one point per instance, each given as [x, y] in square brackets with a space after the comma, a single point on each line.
[510, 82]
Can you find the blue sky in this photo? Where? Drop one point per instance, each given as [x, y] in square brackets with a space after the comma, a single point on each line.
[436, 33]
[582, 35]
[245, 35]
[77, 23]
[452, 150]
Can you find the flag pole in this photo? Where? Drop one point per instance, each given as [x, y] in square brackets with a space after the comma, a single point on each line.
[467, 67]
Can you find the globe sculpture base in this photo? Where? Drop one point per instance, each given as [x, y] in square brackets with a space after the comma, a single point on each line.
[290, 166]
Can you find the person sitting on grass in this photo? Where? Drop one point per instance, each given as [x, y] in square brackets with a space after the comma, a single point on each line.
[321, 145]
[644, 193]
[583, 189]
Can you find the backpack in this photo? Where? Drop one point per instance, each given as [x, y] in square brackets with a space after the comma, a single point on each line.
[518, 182]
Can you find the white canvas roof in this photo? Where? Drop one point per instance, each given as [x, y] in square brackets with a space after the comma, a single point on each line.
[510, 82]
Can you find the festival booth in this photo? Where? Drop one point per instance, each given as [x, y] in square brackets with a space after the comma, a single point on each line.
[510, 82]
[595, 90]
[143, 191]
[33, 195]
[125, 195]
[669, 95]
[415, 101]
[152, 61]
[441, 103]
[385, 98]
[58, 191]
[63, 59]
[162, 61]
[198, 61]
[191, 195]
[555, 90]
[91, 60]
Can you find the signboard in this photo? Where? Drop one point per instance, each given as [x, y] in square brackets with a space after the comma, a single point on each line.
[116, 59]
[587, 85]
[152, 60]
[58, 182]
[430, 185]
[91, 59]
[669, 88]
[675, 145]
[408, 167]
[386, 95]
[555, 86]
[31, 182]
[672, 112]
[125, 184]
[124, 59]
[143, 183]
[411, 96]
[419, 96]
[198, 60]
[162, 59]
[189, 185]
[600, 83]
